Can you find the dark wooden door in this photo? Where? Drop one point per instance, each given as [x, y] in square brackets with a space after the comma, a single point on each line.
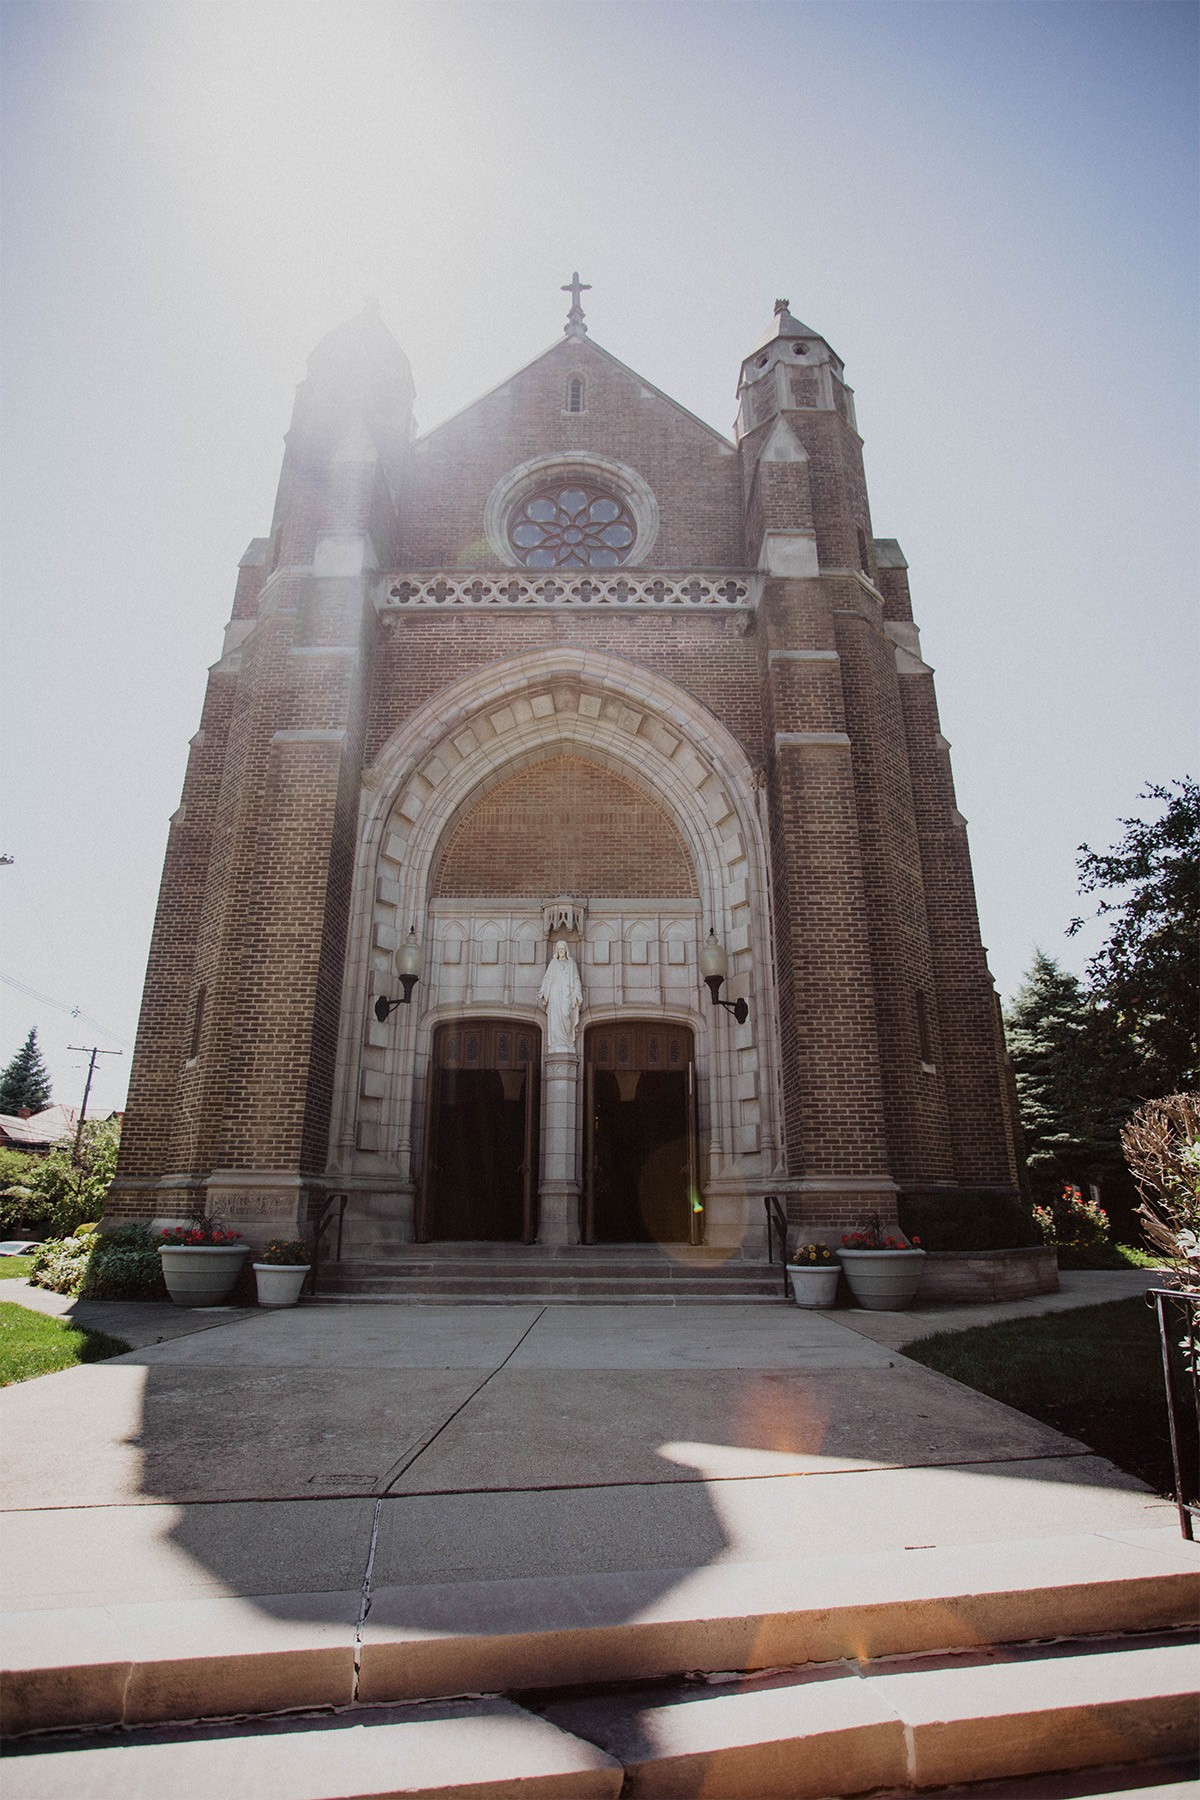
[640, 1148]
[481, 1143]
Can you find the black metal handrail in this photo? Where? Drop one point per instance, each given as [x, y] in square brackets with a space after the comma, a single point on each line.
[777, 1233]
[1176, 1407]
[326, 1220]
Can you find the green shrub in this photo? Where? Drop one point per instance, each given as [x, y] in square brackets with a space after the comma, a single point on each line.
[60, 1265]
[983, 1221]
[108, 1265]
[70, 1192]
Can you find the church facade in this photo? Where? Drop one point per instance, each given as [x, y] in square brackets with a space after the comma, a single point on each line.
[570, 689]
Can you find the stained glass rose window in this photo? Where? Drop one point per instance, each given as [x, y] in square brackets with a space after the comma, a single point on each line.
[571, 527]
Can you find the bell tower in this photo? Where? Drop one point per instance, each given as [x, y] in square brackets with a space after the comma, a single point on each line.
[894, 1064]
[234, 1063]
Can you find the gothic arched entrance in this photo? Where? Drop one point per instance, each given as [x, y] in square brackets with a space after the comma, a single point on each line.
[640, 1140]
[481, 1140]
[463, 838]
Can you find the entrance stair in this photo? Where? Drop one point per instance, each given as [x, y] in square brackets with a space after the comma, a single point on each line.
[823, 1676]
[581, 1274]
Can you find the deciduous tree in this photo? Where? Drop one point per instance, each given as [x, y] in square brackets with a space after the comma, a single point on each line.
[1146, 978]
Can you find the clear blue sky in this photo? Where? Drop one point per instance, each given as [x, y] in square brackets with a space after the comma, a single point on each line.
[987, 207]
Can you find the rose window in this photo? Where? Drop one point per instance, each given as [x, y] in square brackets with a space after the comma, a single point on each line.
[573, 527]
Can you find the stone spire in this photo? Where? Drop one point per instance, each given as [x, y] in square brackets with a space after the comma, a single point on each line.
[791, 368]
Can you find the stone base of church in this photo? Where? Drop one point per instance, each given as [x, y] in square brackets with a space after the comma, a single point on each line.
[380, 1219]
[822, 1208]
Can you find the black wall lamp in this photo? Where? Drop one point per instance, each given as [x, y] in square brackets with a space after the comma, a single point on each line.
[714, 967]
[410, 960]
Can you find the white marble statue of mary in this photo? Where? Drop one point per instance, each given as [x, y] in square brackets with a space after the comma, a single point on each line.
[561, 994]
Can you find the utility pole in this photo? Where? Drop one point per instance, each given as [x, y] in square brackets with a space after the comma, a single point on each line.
[94, 1051]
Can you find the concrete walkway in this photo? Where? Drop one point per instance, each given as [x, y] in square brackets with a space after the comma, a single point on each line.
[244, 1453]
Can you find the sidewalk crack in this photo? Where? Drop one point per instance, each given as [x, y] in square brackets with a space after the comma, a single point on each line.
[364, 1599]
[405, 1462]
[393, 1475]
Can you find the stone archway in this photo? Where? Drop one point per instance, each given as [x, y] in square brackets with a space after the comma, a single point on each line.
[481, 732]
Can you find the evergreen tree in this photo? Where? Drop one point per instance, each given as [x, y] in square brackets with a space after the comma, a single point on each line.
[25, 1082]
[1077, 1081]
[1147, 976]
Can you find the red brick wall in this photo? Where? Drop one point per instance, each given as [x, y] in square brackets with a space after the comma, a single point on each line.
[421, 653]
[566, 826]
[455, 468]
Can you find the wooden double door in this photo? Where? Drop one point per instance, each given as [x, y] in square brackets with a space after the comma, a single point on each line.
[481, 1139]
[640, 1141]
[482, 1136]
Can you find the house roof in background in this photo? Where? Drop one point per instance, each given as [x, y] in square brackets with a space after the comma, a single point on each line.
[40, 1130]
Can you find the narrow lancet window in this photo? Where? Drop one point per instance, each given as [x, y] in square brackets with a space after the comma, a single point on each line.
[197, 1025]
[575, 394]
[924, 1038]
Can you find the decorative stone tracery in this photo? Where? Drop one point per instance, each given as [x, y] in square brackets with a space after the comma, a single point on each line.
[703, 588]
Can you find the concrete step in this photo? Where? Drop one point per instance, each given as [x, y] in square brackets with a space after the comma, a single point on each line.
[484, 1749]
[497, 1297]
[837, 1729]
[490, 1249]
[535, 1286]
[535, 1261]
[850, 1727]
[630, 1274]
[721, 1274]
[1161, 1778]
[146, 1664]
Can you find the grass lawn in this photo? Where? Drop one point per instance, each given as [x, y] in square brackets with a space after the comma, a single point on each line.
[32, 1344]
[15, 1268]
[1093, 1372]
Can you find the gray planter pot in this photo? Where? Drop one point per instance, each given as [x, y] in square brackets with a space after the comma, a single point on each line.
[814, 1284]
[279, 1284]
[201, 1274]
[883, 1280]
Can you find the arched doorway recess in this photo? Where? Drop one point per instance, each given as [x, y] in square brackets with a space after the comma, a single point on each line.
[482, 960]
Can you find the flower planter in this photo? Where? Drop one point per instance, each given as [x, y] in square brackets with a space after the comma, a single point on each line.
[981, 1276]
[883, 1280]
[279, 1284]
[814, 1284]
[201, 1274]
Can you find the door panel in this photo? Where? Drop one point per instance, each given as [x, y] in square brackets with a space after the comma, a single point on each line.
[481, 1141]
[640, 1151]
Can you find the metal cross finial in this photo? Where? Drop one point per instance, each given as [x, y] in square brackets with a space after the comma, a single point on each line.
[575, 326]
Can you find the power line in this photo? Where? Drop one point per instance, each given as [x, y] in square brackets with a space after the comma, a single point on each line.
[72, 1012]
